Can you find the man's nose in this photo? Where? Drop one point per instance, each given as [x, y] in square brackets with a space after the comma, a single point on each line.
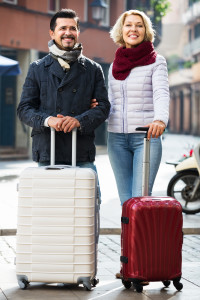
[68, 31]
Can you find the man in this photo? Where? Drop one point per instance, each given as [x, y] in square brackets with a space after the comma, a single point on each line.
[57, 93]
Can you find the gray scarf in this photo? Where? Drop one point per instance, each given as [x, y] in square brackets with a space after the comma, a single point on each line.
[65, 57]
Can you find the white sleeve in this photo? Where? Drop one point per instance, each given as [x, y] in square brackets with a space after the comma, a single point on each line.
[161, 95]
[46, 121]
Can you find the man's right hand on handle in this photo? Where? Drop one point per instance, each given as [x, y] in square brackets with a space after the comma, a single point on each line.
[63, 123]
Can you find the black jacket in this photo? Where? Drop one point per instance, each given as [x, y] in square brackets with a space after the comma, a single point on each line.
[49, 91]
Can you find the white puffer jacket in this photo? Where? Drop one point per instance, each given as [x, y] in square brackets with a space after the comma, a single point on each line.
[139, 99]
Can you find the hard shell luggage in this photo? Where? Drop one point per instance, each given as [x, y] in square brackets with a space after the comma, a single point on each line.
[151, 237]
[58, 224]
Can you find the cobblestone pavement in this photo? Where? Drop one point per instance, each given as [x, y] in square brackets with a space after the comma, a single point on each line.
[109, 249]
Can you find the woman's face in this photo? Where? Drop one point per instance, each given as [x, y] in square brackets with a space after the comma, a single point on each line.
[133, 31]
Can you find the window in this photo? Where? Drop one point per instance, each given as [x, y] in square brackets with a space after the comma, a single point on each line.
[10, 1]
[190, 35]
[86, 10]
[197, 31]
[54, 6]
[138, 4]
[106, 19]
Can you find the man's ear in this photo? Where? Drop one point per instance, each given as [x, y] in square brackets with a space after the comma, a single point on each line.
[51, 33]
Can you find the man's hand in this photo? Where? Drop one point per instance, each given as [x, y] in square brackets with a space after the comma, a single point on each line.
[61, 123]
[56, 122]
[69, 123]
[93, 103]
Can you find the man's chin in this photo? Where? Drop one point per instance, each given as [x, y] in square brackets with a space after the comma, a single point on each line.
[68, 47]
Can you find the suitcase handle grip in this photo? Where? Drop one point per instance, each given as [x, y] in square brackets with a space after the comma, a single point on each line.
[52, 151]
[143, 129]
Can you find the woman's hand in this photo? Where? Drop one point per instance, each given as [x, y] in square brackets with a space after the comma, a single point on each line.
[156, 129]
[93, 103]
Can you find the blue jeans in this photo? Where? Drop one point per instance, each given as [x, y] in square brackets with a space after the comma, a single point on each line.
[90, 165]
[126, 157]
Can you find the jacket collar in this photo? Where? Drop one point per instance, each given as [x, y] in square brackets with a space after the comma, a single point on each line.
[78, 67]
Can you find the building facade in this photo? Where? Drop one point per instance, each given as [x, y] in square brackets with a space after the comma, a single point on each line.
[183, 44]
[24, 36]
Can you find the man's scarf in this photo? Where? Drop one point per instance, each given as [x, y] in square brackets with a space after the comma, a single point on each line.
[128, 58]
[65, 57]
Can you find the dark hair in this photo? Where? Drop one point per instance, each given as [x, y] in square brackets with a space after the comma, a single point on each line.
[64, 13]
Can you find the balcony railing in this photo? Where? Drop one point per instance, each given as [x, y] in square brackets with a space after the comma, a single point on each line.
[192, 48]
[192, 13]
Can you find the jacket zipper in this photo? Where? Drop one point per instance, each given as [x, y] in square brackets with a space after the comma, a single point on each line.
[123, 106]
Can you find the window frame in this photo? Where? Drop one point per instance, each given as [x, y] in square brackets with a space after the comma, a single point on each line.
[14, 2]
[57, 7]
[106, 20]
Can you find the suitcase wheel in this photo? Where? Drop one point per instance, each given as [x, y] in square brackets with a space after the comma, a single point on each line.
[166, 283]
[23, 284]
[87, 287]
[178, 285]
[127, 284]
[138, 287]
[94, 282]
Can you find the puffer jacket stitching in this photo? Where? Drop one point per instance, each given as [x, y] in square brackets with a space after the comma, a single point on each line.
[141, 100]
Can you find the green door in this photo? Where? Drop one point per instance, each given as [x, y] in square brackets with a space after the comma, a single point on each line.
[7, 110]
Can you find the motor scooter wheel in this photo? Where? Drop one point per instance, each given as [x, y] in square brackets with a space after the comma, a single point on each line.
[181, 186]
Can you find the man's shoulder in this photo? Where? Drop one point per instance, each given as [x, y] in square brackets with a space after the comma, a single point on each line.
[89, 62]
[43, 61]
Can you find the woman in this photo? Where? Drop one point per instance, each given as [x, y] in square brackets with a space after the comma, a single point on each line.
[139, 96]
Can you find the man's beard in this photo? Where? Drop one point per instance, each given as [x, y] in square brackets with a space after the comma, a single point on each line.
[69, 48]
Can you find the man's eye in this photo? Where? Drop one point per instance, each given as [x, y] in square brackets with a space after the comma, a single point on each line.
[73, 28]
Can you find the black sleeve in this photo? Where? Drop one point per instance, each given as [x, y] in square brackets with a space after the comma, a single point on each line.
[28, 109]
[92, 118]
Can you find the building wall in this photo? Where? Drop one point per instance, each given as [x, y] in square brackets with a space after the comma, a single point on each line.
[32, 32]
[24, 28]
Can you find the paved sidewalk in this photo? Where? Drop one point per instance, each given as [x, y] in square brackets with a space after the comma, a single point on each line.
[108, 288]
[109, 245]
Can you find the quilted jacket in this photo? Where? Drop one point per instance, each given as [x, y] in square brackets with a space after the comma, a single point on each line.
[139, 99]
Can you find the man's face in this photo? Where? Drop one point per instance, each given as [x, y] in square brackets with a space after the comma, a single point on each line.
[65, 34]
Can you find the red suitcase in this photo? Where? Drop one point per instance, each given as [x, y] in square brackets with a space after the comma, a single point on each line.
[151, 237]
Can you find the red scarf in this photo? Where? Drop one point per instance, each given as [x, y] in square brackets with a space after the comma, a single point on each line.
[128, 58]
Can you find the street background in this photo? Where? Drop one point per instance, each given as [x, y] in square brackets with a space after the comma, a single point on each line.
[174, 146]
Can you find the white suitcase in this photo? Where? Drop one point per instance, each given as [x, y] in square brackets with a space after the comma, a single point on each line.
[58, 224]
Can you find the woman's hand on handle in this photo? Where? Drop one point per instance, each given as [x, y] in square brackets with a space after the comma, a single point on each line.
[156, 129]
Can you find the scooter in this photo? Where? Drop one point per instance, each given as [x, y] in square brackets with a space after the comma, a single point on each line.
[184, 186]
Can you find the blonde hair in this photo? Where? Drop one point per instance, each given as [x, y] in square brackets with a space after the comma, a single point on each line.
[116, 31]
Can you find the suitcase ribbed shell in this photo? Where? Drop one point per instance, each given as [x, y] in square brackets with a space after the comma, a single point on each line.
[57, 225]
[152, 239]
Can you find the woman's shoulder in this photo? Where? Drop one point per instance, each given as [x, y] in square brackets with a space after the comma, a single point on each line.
[160, 59]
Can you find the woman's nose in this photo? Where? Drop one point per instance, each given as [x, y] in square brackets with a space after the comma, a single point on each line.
[133, 27]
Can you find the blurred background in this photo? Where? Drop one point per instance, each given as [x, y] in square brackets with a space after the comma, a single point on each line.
[24, 34]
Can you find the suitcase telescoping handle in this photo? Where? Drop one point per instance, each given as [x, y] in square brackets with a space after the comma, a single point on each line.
[74, 141]
[146, 162]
